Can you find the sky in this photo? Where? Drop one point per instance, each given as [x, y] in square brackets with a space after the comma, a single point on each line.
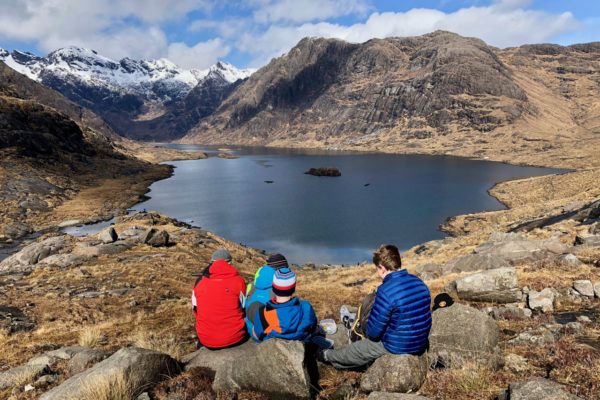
[197, 33]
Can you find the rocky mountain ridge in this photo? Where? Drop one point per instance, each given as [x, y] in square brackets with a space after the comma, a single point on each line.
[126, 93]
[439, 93]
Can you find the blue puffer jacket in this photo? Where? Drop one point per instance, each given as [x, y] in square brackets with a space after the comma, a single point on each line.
[401, 316]
[259, 293]
[292, 320]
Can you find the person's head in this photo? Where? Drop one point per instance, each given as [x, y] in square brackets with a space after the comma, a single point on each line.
[284, 284]
[220, 254]
[277, 261]
[387, 259]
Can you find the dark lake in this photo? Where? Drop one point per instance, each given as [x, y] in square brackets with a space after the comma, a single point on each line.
[323, 219]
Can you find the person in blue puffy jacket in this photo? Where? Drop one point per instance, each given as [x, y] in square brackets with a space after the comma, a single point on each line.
[284, 316]
[259, 292]
[400, 319]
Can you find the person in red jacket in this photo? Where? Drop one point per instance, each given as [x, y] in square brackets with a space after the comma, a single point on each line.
[217, 302]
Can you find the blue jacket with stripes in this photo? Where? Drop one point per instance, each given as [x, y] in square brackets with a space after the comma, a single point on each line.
[401, 316]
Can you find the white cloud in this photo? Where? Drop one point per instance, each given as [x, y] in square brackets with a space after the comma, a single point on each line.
[502, 24]
[105, 26]
[201, 55]
[307, 10]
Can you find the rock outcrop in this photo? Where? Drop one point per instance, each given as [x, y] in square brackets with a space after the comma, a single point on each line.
[395, 373]
[134, 368]
[539, 389]
[461, 334]
[324, 171]
[288, 376]
[497, 285]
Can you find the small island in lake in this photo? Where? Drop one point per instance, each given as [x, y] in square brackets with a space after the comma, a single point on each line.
[324, 171]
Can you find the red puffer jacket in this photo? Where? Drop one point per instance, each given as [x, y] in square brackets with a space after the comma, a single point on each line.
[217, 304]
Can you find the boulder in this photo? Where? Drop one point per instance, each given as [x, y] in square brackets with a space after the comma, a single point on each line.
[597, 289]
[584, 287]
[509, 313]
[476, 262]
[586, 239]
[395, 373]
[395, 396]
[542, 300]
[85, 359]
[284, 360]
[570, 260]
[429, 271]
[108, 235]
[24, 260]
[156, 238]
[461, 334]
[64, 260]
[138, 368]
[497, 285]
[88, 251]
[516, 249]
[21, 375]
[539, 336]
[539, 389]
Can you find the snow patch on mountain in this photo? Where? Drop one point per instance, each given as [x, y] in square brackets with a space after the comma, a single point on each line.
[155, 80]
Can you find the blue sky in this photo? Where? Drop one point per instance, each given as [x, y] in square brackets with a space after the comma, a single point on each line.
[197, 33]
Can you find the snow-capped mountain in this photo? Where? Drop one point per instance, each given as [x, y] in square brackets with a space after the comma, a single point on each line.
[123, 91]
[136, 76]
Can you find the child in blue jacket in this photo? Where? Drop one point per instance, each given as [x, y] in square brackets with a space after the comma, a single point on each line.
[259, 292]
[284, 316]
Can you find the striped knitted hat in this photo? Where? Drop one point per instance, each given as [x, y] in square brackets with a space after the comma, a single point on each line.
[284, 282]
[277, 261]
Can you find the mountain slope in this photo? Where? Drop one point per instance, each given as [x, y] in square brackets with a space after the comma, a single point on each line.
[51, 149]
[439, 93]
[126, 93]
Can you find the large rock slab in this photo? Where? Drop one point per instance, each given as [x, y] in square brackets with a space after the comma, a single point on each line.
[138, 368]
[21, 375]
[29, 256]
[476, 262]
[287, 375]
[539, 389]
[542, 300]
[461, 334]
[515, 249]
[586, 239]
[395, 373]
[584, 287]
[85, 359]
[497, 285]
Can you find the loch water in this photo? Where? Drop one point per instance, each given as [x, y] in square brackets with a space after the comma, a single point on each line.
[380, 198]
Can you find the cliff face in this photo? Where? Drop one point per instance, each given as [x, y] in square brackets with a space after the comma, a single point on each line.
[332, 91]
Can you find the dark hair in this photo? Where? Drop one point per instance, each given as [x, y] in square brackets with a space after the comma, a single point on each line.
[388, 256]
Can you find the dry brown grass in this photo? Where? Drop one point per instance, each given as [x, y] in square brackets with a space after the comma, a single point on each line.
[469, 383]
[108, 387]
[164, 343]
[91, 336]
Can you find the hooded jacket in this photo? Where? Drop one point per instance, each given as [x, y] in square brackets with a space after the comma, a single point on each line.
[401, 316]
[259, 293]
[217, 299]
[292, 320]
